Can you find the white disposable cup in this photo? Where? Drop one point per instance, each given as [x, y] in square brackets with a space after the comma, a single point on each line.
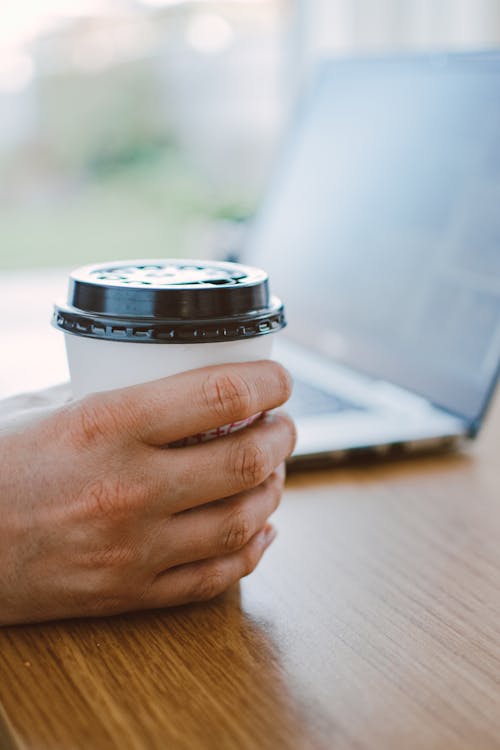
[106, 303]
[104, 365]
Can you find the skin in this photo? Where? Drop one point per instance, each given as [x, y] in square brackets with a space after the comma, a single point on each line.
[99, 517]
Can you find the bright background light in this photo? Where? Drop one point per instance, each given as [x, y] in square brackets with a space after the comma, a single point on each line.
[128, 124]
[209, 34]
[16, 72]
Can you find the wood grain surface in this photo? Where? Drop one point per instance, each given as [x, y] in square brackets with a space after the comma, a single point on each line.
[373, 622]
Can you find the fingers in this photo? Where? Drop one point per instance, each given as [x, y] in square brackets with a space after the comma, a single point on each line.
[218, 528]
[176, 407]
[189, 477]
[202, 581]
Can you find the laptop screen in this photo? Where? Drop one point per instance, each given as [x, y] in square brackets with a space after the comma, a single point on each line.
[381, 231]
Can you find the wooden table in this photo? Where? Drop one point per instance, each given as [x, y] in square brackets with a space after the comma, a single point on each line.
[373, 622]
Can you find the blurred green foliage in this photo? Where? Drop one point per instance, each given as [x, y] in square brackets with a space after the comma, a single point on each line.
[103, 178]
[152, 208]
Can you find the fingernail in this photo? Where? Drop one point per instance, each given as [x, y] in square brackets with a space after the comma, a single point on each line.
[268, 535]
[281, 471]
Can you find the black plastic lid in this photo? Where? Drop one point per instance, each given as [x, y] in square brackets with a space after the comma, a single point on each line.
[168, 301]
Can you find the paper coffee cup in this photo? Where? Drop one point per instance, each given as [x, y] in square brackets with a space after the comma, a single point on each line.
[129, 322]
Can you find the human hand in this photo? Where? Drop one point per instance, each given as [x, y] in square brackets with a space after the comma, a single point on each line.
[98, 517]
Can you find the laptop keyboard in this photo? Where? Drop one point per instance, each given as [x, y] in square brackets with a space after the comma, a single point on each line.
[311, 401]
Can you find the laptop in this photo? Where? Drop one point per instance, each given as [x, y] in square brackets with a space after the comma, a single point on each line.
[381, 233]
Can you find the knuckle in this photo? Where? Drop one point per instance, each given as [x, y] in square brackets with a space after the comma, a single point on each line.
[108, 602]
[210, 584]
[250, 465]
[94, 421]
[118, 589]
[99, 594]
[107, 499]
[105, 606]
[115, 558]
[126, 415]
[226, 394]
[237, 531]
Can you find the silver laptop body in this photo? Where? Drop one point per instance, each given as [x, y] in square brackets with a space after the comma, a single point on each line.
[381, 232]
